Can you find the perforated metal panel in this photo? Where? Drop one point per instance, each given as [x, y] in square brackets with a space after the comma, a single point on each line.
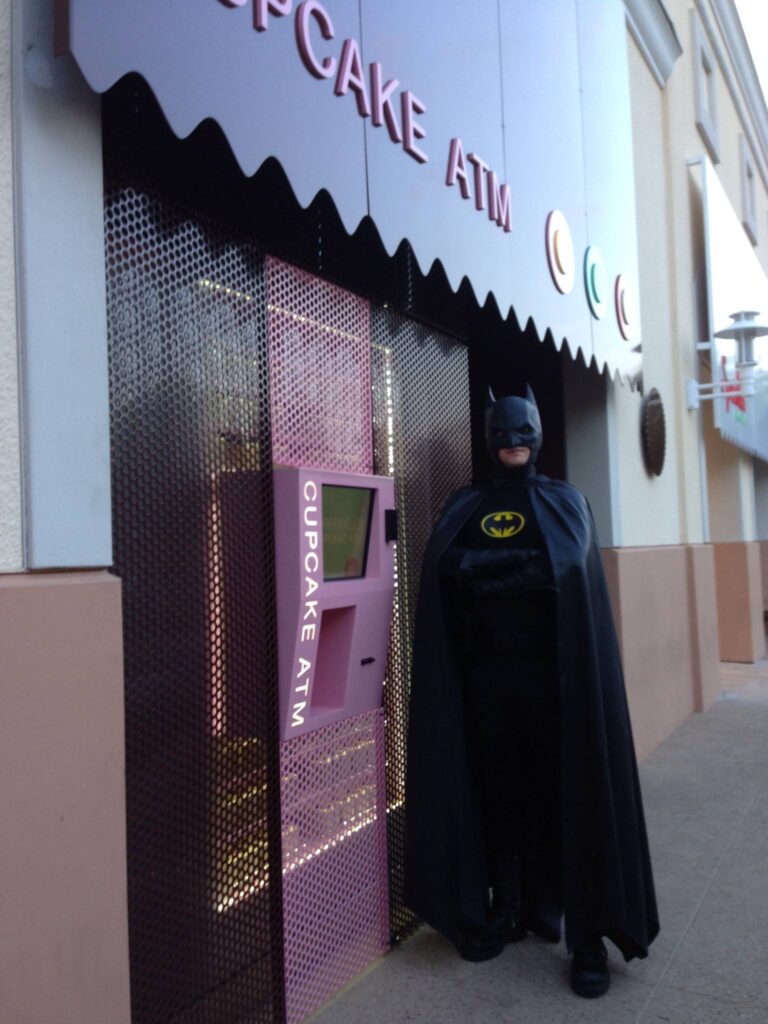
[319, 357]
[193, 544]
[334, 858]
[333, 806]
[422, 438]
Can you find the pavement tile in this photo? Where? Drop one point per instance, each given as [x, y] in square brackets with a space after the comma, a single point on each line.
[677, 898]
[691, 828]
[724, 951]
[760, 802]
[732, 730]
[677, 1006]
[741, 873]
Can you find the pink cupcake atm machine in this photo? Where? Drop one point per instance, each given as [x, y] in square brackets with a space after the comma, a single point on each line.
[334, 532]
[334, 553]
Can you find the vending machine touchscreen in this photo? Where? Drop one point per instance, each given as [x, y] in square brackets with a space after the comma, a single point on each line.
[334, 553]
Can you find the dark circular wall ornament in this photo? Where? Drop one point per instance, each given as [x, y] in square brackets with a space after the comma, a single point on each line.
[653, 432]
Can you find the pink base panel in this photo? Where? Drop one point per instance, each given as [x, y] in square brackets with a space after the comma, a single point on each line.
[662, 610]
[335, 905]
[64, 932]
[740, 601]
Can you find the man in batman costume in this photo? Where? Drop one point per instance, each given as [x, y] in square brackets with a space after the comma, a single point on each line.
[523, 803]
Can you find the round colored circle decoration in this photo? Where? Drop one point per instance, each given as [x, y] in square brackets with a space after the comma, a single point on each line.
[560, 257]
[625, 307]
[653, 432]
[594, 281]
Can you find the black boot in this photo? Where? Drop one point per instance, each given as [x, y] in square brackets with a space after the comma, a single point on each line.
[590, 977]
[544, 929]
[504, 921]
[484, 944]
[478, 944]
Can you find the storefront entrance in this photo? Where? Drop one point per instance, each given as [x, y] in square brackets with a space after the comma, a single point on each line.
[224, 361]
[265, 875]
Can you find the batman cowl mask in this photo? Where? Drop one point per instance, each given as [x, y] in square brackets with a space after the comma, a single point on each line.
[512, 423]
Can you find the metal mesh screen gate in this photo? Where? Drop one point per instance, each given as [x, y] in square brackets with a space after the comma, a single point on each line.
[422, 438]
[192, 525]
[198, 402]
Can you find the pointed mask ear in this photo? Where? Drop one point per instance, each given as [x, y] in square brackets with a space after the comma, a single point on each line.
[490, 398]
[530, 397]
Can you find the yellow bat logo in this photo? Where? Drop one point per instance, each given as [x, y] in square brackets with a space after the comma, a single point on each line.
[500, 525]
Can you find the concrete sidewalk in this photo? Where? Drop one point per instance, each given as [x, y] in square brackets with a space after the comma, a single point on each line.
[706, 801]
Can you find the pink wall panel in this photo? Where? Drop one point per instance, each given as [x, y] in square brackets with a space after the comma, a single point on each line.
[333, 803]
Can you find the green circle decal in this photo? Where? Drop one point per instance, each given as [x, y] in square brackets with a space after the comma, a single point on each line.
[594, 281]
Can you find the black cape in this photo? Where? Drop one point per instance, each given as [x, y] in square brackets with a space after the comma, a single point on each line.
[607, 884]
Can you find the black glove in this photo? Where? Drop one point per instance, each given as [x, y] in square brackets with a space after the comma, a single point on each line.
[528, 576]
[464, 564]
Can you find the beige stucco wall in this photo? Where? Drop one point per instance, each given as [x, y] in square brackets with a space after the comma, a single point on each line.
[731, 487]
[710, 485]
[729, 167]
[682, 142]
[731, 472]
[10, 462]
[685, 139]
[665, 509]
[671, 256]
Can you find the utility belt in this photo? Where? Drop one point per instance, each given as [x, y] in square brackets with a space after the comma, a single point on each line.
[523, 622]
[517, 642]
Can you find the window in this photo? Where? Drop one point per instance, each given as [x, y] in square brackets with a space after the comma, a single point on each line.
[705, 84]
[748, 190]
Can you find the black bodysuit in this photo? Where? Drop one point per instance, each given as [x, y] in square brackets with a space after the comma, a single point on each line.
[501, 604]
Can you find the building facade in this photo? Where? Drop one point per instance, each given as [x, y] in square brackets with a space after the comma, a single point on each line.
[255, 250]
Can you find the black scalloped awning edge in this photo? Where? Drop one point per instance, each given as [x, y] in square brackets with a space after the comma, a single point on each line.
[426, 266]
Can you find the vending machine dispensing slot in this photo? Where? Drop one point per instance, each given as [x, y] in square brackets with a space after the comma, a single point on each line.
[333, 649]
[334, 551]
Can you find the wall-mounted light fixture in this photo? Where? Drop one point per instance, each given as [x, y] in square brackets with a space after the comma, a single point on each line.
[744, 329]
